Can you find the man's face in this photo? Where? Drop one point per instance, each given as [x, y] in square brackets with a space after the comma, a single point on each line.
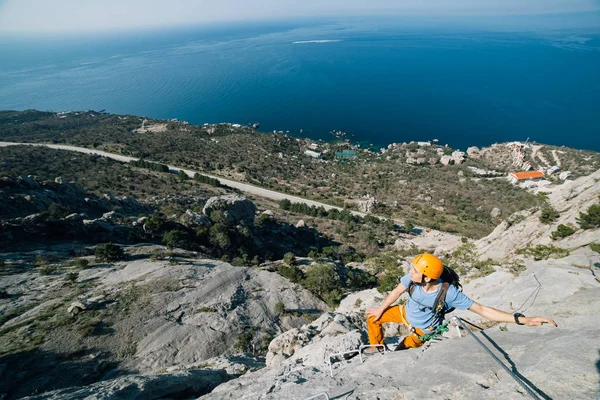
[415, 275]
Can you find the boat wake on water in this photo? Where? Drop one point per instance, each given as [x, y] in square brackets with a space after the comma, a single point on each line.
[315, 41]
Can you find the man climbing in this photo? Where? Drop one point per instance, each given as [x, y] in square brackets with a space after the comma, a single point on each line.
[429, 299]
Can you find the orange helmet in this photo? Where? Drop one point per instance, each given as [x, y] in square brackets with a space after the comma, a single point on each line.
[429, 265]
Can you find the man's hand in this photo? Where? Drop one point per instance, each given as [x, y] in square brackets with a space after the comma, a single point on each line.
[375, 312]
[537, 321]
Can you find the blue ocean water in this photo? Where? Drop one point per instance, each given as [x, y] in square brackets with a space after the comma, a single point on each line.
[380, 80]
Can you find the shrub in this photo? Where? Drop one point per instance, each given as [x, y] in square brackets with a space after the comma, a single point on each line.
[562, 231]
[57, 211]
[358, 279]
[591, 219]
[387, 283]
[207, 180]
[81, 263]
[279, 308]
[549, 215]
[155, 223]
[109, 252]
[516, 267]
[48, 269]
[72, 276]
[291, 272]
[541, 252]
[182, 176]
[40, 261]
[243, 342]
[595, 247]
[289, 258]
[285, 204]
[175, 238]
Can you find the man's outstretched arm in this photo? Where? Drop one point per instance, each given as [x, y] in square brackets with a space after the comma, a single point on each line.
[501, 316]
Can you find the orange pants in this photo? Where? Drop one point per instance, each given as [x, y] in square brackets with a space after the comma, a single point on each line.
[398, 315]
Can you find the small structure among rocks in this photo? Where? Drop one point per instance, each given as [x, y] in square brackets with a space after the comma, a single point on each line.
[518, 177]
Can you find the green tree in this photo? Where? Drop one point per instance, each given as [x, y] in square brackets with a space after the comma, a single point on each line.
[72, 277]
[291, 272]
[175, 238]
[285, 204]
[549, 215]
[81, 263]
[57, 211]
[591, 219]
[182, 176]
[109, 252]
[324, 281]
[289, 258]
[562, 231]
[155, 223]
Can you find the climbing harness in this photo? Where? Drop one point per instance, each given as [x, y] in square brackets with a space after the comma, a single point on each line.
[460, 322]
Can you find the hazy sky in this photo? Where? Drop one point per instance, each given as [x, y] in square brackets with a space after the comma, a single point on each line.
[29, 16]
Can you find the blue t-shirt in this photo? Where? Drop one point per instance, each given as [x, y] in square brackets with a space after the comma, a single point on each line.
[422, 317]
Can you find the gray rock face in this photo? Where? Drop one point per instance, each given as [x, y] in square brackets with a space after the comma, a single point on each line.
[217, 304]
[189, 383]
[235, 208]
[458, 368]
[496, 212]
[525, 228]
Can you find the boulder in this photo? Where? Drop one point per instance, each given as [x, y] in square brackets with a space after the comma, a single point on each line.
[193, 219]
[473, 152]
[458, 157]
[312, 344]
[446, 160]
[496, 212]
[236, 208]
[76, 307]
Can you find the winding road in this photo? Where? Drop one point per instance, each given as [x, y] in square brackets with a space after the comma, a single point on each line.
[243, 187]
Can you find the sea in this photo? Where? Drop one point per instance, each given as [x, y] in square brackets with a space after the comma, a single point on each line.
[464, 81]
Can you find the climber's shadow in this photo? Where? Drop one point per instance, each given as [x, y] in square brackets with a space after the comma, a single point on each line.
[598, 363]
